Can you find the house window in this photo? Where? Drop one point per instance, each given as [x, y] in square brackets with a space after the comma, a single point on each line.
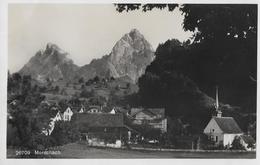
[211, 138]
[216, 138]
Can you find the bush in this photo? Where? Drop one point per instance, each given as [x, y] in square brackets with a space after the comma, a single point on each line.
[12, 137]
[85, 93]
[65, 132]
[236, 145]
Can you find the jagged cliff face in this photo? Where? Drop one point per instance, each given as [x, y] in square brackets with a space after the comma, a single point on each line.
[129, 58]
[50, 63]
[131, 55]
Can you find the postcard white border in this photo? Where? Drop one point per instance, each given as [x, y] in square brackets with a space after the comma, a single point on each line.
[3, 95]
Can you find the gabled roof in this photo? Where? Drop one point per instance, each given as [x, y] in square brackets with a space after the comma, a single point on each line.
[134, 111]
[154, 111]
[76, 108]
[147, 112]
[99, 119]
[120, 110]
[228, 124]
[157, 111]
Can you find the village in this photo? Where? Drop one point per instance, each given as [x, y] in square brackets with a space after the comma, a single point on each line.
[121, 127]
[100, 125]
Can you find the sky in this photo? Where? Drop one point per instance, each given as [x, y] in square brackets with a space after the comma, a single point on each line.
[85, 31]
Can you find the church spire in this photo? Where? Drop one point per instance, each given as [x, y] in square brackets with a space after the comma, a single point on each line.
[219, 113]
[217, 104]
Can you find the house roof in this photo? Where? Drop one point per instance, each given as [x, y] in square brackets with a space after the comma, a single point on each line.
[228, 124]
[120, 110]
[135, 111]
[248, 139]
[157, 111]
[53, 113]
[94, 107]
[77, 108]
[99, 120]
[153, 111]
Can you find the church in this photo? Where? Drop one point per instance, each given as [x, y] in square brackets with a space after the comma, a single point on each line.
[222, 130]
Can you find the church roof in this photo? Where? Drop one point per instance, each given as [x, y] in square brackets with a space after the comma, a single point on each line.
[228, 124]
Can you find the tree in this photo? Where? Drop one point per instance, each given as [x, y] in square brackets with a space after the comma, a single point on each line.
[96, 79]
[239, 20]
[17, 77]
[207, 23]
[26, 123]
[65, 132]
[57, 89]
[148, 131]
[112, 78]
[85, 93]
[224, 51]
[82, 86]
[81, 80]
[236, 144]
[128, 85]
[63, 91]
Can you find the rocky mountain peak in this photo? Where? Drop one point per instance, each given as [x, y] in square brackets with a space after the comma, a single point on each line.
[131, 54]
[135, 34]
[51, 63]
[53, 49]
[51, 46]
[129, 57]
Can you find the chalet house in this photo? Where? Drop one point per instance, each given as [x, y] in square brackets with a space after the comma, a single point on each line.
[122, 110]
[102, 128]
[67, 114]
[78, 109]
[222, 130]
[113, 111]
[82, 109]
[155, 117]
[58, 117]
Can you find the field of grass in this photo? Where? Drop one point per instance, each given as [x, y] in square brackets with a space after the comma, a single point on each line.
[81, 151]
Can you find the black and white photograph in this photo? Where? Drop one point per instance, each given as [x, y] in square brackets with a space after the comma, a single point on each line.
[131, 81]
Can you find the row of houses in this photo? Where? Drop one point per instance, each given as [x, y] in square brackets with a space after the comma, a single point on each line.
[96, 121]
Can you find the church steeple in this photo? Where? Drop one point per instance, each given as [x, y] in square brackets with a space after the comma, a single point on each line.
[219, 113]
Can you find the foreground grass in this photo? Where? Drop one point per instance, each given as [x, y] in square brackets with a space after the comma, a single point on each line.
[81, 151]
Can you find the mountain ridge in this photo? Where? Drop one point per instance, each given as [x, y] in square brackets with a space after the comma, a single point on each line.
[129, 57]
